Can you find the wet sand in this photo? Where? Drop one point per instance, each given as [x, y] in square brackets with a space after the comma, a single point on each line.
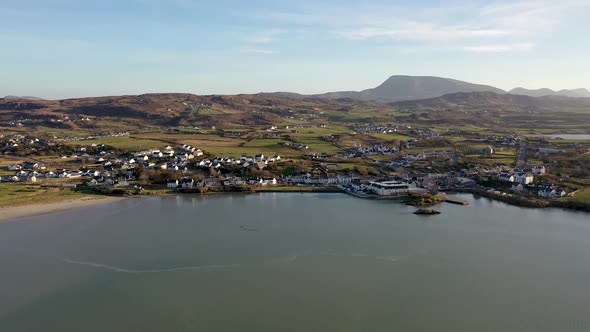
[8, 213]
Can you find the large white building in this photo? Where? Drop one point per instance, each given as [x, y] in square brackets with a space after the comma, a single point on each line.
[388, 188]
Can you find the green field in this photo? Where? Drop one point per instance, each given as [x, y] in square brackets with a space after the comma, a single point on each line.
[17, 194]
[392, 136]
[127, 143]
[582, 196]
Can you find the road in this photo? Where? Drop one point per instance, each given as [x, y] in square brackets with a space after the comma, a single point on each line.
[522, 159]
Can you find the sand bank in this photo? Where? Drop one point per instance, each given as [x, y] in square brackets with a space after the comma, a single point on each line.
[7, 213]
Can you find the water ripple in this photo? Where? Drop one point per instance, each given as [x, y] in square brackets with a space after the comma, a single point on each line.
[284, 260]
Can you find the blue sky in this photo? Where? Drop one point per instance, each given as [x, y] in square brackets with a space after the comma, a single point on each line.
[73, 48]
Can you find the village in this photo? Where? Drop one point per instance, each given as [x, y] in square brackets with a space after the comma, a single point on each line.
[191, 169]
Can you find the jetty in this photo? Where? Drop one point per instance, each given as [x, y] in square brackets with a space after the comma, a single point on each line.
[455, 200]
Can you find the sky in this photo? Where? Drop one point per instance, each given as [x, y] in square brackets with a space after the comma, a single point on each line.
[76, 48]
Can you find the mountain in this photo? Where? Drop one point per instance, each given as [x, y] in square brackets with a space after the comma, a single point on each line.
[400, 87]
[494, 101]
[576, 93]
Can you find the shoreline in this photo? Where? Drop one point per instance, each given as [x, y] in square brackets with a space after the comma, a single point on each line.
[29, 210]
[526, 202]
[16, 212]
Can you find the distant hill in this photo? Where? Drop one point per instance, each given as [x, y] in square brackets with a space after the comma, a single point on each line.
[282, 94]
[172, 110]
[576, 93]
[399, 87]
[495, 101]
[23, 97]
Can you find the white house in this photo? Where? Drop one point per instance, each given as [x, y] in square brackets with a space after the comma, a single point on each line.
[523, 178]
[265, 182]
[506, 177]
[539, 170]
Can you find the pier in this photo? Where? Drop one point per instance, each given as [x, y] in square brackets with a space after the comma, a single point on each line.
[455, 200]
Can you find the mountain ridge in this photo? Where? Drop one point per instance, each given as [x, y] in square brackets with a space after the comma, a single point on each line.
[494, 101]
[401, 87]
[405, 87]
[575, 93]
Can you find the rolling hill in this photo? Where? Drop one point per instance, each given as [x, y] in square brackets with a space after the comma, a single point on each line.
[576, 93]
[176, 111]
[495, 101]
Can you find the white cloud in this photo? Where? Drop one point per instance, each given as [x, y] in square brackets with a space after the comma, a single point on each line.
[261, 51]
[500, 48]
[260, 40]
[514, 20]
[500, 26]
[423, 32]
[266, 36]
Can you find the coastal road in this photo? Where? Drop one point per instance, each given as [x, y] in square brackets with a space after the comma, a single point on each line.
[522, 159]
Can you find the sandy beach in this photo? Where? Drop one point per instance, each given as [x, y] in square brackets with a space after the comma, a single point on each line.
[8, 213]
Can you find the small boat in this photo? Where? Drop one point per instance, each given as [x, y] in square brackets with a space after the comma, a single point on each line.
[244, 228]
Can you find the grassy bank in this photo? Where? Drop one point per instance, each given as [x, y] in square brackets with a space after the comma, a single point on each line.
[19, 194]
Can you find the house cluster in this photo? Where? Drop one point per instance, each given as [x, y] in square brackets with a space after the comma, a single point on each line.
[550, 191]
[498, 140]
[296, 146]
[259, 161]
[103, 134]
[523, 178]
[167, 158]
[345, 155]
[38, 174]
[22, 122]
[410, 160]
[422, 133]
[109, 134]
[213, 182]
[395, 187]
[376, 150]
[322, 155]
[373, 129]
[308, 179]
[67, 118]
[9, 142]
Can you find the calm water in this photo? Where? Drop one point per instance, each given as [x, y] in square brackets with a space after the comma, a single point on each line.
[295, 262]
[569, 136]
